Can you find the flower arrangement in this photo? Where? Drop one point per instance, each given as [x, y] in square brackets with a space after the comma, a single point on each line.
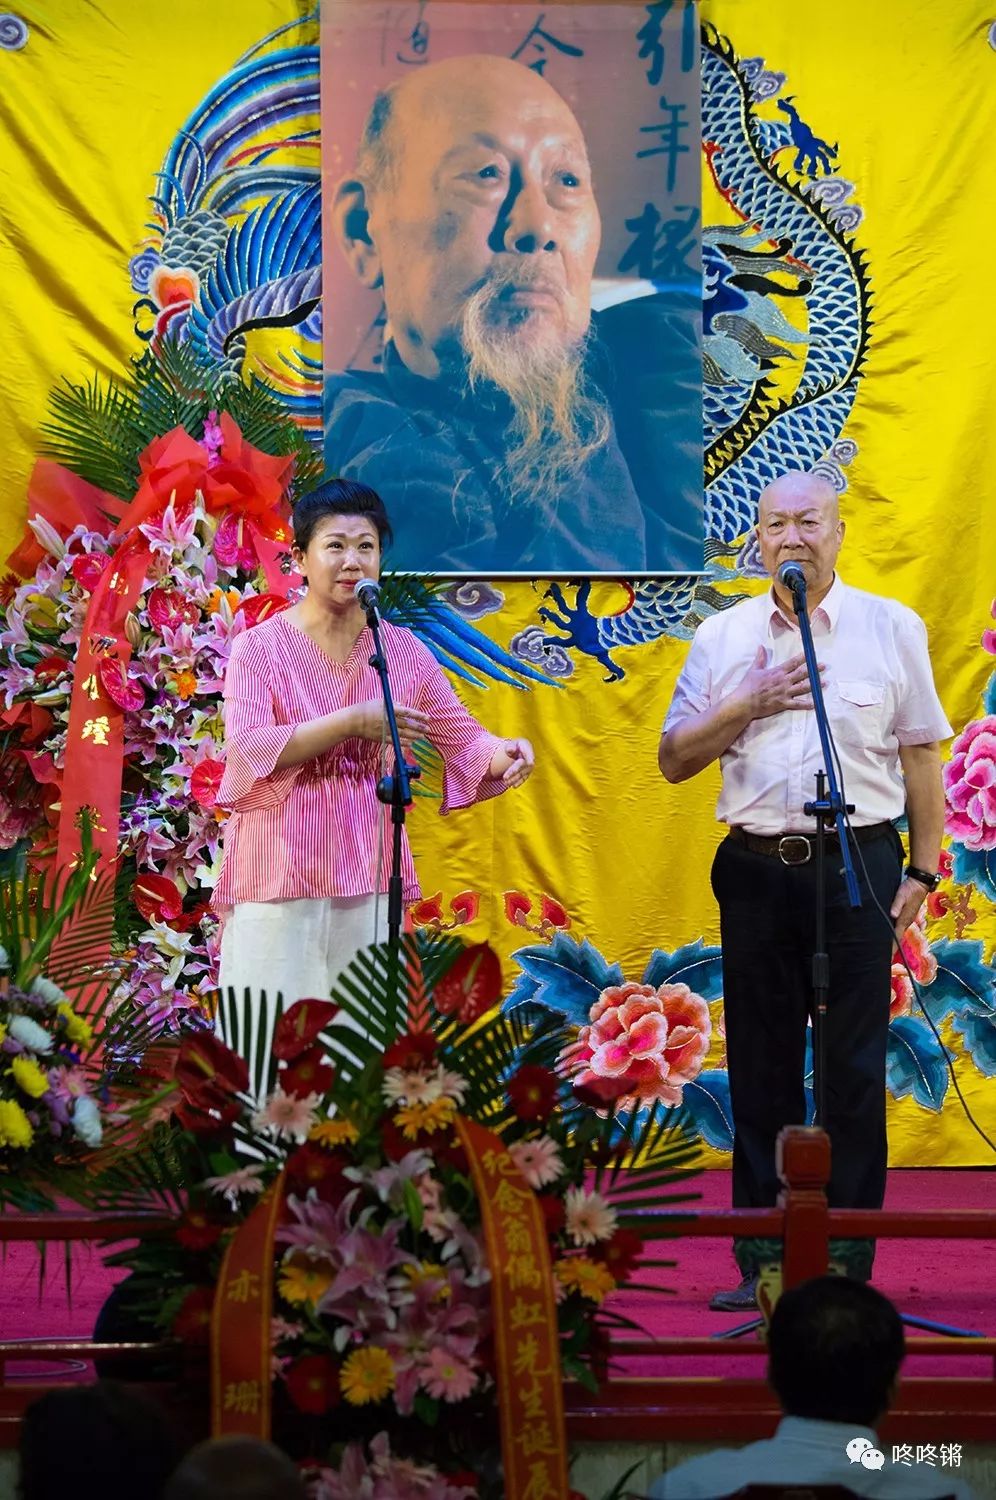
[177, 453]
[382, 1311]
[55, 1100]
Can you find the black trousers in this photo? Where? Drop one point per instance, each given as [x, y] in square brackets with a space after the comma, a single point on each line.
[767, 921]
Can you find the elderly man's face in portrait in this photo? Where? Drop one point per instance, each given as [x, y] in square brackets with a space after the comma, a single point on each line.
[480, 223]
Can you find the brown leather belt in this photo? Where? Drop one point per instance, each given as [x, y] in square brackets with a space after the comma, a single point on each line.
[797, 848]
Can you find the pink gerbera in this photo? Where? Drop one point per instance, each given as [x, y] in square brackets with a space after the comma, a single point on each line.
[589, 1217]
[447, 1377]
[538, 1161]
[287, 1115]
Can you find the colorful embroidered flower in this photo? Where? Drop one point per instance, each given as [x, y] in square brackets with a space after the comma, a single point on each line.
[367, 1375]
[970, 785]
[642, 1044]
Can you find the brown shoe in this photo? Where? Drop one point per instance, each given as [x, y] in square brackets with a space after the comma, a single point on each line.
[742, 1298]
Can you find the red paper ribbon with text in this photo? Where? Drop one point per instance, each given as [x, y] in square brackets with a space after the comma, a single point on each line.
[240, 1324]
[530, 1382]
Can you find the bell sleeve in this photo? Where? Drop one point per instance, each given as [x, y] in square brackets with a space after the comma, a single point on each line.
[254, 740]
[466, 747]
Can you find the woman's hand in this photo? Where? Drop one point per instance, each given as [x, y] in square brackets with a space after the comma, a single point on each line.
[368, 721]
[513, 763]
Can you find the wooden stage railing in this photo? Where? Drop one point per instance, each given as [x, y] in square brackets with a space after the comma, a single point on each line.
[681, 1406]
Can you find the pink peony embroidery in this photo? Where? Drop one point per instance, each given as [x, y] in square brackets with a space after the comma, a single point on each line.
[970, 784]
[641, 1045]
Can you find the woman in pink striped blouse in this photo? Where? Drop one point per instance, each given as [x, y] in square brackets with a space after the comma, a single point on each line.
[307, 845]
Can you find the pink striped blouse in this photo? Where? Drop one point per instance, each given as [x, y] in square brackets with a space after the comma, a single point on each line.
[312, 829]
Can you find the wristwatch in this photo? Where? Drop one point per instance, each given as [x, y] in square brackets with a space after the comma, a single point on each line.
[922, 877]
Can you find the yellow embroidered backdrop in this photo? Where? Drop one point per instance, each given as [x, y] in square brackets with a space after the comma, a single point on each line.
[851, 152]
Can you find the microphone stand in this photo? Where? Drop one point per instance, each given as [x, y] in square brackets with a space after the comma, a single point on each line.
[396, 792]
[825, 806]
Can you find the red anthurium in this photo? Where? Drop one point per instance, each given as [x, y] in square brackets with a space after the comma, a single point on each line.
[207, 1115]
[516, 907]
[472, 986]
[233, 544]
[188, 920]
[466, 905]
[171, 608]
[313, 1384]
[157, 897]
[532, 1092]
[205, 782]
[308, 1074]
[261, 607]
[119, 687]
[412, 1051]
[88, 567]
[206, 1063]
[429, 909]
[192, 1323]
[298, 1027]
[551, 911]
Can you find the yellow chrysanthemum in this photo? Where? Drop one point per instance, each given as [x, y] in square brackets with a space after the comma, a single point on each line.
[589, 1277]
[77, 1030]
[303, 1282]
[423, 1119]
[29, 1077]
[15, 1127]
[367, 1375]
[3, 1031]
[333, 1133]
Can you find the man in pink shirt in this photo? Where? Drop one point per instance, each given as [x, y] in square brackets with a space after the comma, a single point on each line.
[743, 698]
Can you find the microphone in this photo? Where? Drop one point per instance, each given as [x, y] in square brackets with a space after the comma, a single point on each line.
[367, 595]
[791, 576]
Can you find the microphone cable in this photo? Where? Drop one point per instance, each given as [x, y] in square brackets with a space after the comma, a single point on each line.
[948, 1058]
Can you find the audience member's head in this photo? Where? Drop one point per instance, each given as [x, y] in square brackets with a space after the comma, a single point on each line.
[236, 1468]
[834, 1351]
[102, 1439]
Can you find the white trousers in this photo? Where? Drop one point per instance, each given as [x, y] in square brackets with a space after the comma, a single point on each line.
[274, 953]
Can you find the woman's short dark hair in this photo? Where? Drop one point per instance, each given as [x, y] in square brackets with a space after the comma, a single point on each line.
[339, 497]
[834, 1350]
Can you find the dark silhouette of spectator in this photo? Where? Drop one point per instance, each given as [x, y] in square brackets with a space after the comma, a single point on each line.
[236, 1468]
[95, 1442]
[834, 1351]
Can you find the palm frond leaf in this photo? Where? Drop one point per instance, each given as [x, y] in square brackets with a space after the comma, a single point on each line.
[96, 431]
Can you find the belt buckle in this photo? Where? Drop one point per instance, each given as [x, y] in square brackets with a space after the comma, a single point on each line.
[794, 849]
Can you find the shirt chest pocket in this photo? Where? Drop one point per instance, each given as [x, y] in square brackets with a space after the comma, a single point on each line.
[858, 707]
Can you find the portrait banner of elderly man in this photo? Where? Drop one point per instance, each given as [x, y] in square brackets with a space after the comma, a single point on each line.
[512, 282]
